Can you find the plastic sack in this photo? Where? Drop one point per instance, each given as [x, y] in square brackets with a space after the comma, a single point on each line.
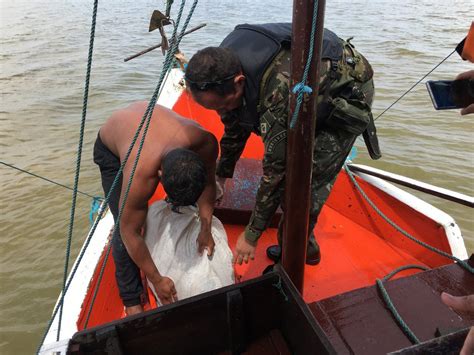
[171, 239]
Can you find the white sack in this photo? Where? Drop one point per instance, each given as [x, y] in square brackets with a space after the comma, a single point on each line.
[171, 239]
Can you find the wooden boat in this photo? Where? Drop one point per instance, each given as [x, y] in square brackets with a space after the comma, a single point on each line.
[358, 246]
[367, 228]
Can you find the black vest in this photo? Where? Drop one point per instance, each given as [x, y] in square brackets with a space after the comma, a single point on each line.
[256, 46]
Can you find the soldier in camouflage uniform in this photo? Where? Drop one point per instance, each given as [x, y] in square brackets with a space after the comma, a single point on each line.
[332, 143]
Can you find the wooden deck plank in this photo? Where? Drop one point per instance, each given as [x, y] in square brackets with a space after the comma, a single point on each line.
[359, 322]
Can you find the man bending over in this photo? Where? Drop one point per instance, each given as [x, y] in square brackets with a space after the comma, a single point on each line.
[179, 153]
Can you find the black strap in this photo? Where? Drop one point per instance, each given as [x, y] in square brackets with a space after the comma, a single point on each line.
[371, 140]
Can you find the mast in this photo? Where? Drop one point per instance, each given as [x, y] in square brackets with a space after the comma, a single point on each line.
[301, 139]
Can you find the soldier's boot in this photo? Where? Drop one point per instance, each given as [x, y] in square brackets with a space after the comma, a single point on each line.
[313, 254]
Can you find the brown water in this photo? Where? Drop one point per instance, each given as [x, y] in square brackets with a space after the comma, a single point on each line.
[43, 60]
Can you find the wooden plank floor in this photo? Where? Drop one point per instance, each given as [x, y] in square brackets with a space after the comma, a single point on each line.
[358, 322]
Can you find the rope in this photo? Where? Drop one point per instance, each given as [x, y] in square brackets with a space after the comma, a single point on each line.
[402, 268]
[462, 263]
[94, 227]
[99, 216]
[73, 272]
[147, 116]
[301, 88]
[79, 156]
[59, 306]
[406, 329]
[46, 179]
[413, 86]
[169, 3]
[410, 89]
[96, 200]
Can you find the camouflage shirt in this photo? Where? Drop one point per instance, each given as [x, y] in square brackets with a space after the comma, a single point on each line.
[273, 116]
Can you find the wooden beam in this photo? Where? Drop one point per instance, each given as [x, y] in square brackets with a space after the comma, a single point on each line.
[301, 139]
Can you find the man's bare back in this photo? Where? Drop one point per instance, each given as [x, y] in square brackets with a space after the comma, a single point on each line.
[168, 132]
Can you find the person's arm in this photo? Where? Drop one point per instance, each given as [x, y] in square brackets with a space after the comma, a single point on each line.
[275, 101]
[271, 184]
[232, 144]
[131, 225]
[208, 151]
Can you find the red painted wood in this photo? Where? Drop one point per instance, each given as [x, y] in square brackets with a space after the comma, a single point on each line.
[186, 107]
[107, 306]
[348, 201]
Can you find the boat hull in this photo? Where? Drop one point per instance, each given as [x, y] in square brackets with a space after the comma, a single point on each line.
[357, 244]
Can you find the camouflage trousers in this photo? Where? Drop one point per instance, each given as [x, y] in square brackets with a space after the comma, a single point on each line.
[330, 152]
[331, 148]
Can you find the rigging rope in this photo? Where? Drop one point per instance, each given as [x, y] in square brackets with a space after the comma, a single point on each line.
[48, 180]
[413, 86]
[79, 156]
[462, 263]
[359, 138]
[102, 209]
[103, 206]
[301, 88]
[169, 3]
[148, 114]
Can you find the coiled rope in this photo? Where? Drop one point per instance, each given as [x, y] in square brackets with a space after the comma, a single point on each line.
[403, 325]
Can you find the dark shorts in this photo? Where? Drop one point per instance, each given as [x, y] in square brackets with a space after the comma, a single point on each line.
[127, 273]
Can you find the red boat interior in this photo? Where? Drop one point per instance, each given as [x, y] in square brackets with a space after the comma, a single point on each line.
[357, 245]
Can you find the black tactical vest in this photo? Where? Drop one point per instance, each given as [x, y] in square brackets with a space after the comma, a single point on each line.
[256, 46]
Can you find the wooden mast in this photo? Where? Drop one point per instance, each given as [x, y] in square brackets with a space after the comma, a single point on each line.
[301, 139]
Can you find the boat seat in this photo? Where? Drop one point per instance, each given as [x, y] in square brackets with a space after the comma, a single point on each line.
[239, 198]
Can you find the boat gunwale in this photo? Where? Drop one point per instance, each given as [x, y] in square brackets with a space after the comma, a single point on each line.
[171, 92]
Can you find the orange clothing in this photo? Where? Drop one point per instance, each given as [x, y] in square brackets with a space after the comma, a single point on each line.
[468, 49]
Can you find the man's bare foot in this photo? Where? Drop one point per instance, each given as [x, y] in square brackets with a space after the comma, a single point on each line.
[130, 311]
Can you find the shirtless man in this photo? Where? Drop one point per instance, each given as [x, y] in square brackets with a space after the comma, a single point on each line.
[181, 155]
